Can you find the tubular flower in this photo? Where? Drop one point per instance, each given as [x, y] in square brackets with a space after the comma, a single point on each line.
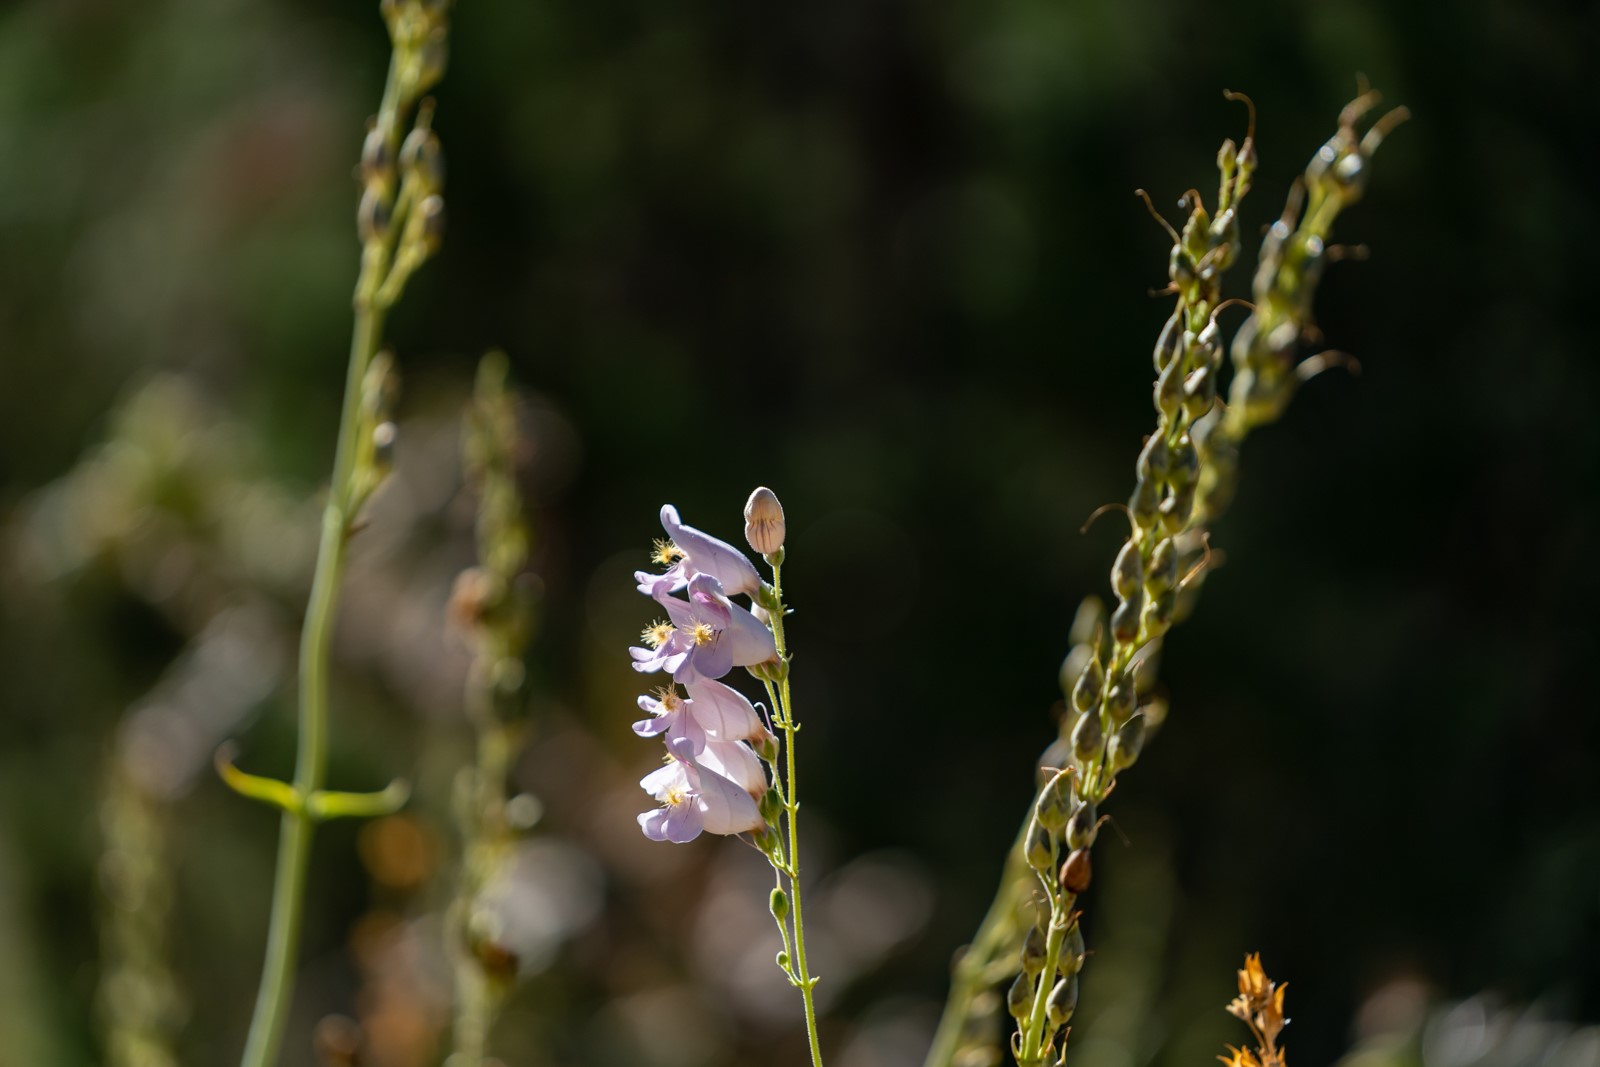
[709, 635]
[694, 799]
[691, 552]
[713, 711]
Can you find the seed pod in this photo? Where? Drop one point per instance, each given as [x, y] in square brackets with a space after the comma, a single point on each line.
[1125, 620]
[1033, 951]
[771, 805]
[1076, 872]
[1127, 573]
[1225, 239]
[432, 214]
[1153, 458]
[1054, 803]
[764, 527]
[1167, 343]
[1180, 269]
[1169, 389]
[1199, 392]
[1082, 827]
[1154, 712]
[377, 164]
[778, 904]
[1162, 573]
[1070, 961]
[1086, 691]
[372, 216]
[1040, 849]
[1145, 502]
[1020, 997]
[1126, 744]
[1175, 509]
[1120, 700]
[422, 159]
[1185, 462]
[1159, 613]
[1063, 1001]
[1087, 736]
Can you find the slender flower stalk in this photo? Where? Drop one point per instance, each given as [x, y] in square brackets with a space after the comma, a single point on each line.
[716, 742]
[400, 221]
[490, 604]
[1184, 475]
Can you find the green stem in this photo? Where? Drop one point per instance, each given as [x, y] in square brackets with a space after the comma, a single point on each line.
[294, 844]
[791, 805]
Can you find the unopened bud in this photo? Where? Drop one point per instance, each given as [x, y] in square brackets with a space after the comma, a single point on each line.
[1125, 620]
[1076, 872]
[771, 806]
[764, 527]
[778, 904]
[766, 745]
[1121, 700]
[1162, 574]
[1127, 743]
[1086, 691]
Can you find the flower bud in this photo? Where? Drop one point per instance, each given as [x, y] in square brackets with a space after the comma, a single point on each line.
[1076, 872]
[778, 904]
[771, 805]
[1019, 997]
[1063, 1001]
[1039, 850]
[764, 527]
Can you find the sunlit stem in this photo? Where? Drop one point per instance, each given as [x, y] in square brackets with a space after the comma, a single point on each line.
[294, 843]
[785, 721]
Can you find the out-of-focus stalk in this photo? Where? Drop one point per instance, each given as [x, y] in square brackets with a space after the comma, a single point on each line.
[400, 221]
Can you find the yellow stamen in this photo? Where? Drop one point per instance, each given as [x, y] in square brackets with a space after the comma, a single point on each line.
[655, 635]
[702, 633]
[666, 553]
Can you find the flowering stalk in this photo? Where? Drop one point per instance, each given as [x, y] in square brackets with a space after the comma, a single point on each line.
[1259, 1006]
[1184, 474]
[400, 221]
[488, 602]
[720, 752]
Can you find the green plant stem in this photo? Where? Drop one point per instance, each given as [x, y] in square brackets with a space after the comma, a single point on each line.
[294, 843]
[791, 807]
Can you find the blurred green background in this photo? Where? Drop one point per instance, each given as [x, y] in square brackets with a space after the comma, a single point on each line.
[884, 258]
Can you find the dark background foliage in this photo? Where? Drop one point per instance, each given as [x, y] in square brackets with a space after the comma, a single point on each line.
[883, 257]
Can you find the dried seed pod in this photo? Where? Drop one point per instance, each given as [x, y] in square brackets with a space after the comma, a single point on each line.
[422, 159]
[1145, 502]
[1033, 951]
[1175, 509]
[1020, 997]
[1169, 389]
[1087, 736]
[1185, 462]
[1086, 691]
[1127, 743]
[1153, 458]
[1121, 700]
[1040, 849]
[1162, 573]
[1063, 1001]
[1076, 872]
[1070, 961]
[1082, 827]
[1127, 573]
[1167, 344]
[1054, 803]
[1125, 620]
[377, 162]
[372, 216]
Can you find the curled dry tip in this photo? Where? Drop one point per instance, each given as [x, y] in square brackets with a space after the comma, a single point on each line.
[1151, 207]
[1250, 130]
[1323, 361]
[1382, 128]
[1101, 510]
